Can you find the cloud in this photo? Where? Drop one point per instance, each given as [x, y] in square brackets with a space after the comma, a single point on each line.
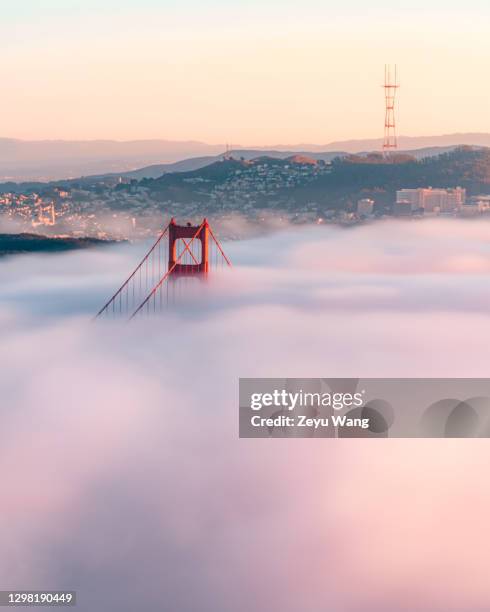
[423, 247]
[121, 470]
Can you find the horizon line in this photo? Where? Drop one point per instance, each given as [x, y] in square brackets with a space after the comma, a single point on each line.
[233, 146]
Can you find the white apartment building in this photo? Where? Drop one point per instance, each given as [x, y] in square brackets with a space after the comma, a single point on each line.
[433, 200]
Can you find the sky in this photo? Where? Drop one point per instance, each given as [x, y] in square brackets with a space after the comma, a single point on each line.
[123, 473]
[243, 72]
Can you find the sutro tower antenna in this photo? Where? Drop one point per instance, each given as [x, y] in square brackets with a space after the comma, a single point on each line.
[227, 153]
[390, 87]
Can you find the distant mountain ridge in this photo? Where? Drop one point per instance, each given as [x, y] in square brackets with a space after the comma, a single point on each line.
[409, 143]
[196, 163]
[47, 160]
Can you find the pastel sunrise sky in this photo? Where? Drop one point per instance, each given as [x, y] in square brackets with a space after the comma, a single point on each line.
[260, 72]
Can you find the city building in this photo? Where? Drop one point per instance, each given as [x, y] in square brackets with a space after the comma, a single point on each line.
[476, 205]
[365, 207]
[482, 202]
[469, 210]
[402, 209]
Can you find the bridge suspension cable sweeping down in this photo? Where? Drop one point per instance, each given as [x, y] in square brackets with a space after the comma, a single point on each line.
[181, 254]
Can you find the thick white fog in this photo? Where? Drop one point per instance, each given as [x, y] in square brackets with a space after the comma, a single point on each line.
[122, 473]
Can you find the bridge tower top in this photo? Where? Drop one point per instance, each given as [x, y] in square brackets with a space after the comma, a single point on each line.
[185, 234]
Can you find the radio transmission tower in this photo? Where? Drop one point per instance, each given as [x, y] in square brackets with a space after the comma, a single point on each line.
[390, 87]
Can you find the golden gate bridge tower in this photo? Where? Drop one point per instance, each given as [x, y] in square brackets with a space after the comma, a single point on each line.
[181, 254]
[390, 87]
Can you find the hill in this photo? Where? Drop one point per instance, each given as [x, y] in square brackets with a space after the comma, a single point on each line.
[11, 244]
[195, 163]
[156, 170]
[294, 184]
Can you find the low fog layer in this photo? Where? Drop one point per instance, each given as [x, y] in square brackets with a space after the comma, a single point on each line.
[123, 476]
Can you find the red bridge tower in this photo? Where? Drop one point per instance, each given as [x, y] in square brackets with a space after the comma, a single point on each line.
[191, 233]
